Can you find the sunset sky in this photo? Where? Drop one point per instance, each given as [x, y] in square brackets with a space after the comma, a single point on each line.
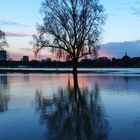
[18, 18]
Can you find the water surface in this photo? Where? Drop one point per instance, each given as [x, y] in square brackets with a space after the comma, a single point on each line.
[43, 107]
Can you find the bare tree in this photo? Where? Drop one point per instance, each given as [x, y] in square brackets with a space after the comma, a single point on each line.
[3, 42]
[71, 29]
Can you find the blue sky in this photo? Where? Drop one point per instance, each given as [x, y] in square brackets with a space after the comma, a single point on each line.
[123, 20]
[19, 18]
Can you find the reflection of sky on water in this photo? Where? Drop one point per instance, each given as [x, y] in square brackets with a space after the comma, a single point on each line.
[49, 80]
[19, 119]
[115, 83]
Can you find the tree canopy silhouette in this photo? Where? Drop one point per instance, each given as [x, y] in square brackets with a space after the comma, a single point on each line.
[3, 42]
[71, 28]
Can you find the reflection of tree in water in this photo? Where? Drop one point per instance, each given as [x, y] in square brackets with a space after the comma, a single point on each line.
[4, 97]
[71, 116]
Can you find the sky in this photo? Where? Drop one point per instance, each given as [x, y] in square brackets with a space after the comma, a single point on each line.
[19, 18]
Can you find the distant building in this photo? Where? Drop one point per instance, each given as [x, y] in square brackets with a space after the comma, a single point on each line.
[3, 55]
[25, 58]
[125, 57]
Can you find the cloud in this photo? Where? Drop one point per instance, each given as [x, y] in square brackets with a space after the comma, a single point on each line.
[118, 49]
[135, 11]
[27, 49]
[137, 1]
[18, 34]
[136, 8]
[5, 22]
[18, 55]
[15, 56]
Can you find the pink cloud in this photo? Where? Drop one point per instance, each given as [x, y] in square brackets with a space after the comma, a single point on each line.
[18, 34]
[15, 56]
[19, 55]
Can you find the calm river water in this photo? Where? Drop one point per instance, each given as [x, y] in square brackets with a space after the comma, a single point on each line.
[43, 107]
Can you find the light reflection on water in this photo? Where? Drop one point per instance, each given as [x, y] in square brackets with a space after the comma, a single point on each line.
[43, 106]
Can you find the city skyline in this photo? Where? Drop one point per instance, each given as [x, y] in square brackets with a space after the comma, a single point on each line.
[19, 19]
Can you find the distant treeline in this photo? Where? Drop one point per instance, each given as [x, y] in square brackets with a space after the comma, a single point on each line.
[84, 63]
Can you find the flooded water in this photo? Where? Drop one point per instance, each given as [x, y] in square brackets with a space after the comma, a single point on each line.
[44, 107]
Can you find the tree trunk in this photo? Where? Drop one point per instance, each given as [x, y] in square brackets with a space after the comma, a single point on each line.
[75, 75]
